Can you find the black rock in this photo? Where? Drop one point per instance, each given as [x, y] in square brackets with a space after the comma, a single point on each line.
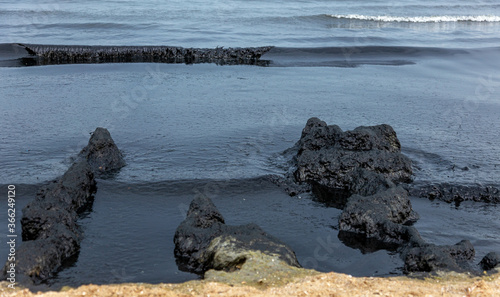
[380, 216]
[101, 153]
[202, 224]
[59, 202]
[50, 232]
[364, 173]
[357, 162]
[38, 260]
[490, 261]
[430, 257]
[457, 193]
[203, 241]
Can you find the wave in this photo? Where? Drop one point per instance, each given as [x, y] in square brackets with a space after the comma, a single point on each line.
[418, 19]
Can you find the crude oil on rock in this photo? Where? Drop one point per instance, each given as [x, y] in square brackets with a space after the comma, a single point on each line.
[49, 222]
[364, 173]
[458, 193]
[354, 162]
[102, 154]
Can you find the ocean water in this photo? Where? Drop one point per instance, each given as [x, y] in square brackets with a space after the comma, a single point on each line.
[427, 68]
[441, 23]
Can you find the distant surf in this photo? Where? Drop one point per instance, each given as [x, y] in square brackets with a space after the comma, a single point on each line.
[418, 19]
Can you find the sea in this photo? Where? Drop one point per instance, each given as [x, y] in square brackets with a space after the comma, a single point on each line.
[430, 69]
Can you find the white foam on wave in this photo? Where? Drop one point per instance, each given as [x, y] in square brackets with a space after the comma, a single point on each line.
[420, 19]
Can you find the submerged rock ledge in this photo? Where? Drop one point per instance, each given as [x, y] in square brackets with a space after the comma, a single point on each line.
[457, 193]
[72, 54]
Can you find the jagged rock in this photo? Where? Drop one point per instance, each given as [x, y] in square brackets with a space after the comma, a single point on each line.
[362, 172]
[59, 202]
[457, 193]
[356, 161]
[203, 241]
[380, 216]
[490, 261]
[101, 153]
[49, 229]
[37, 260]
[429, 257]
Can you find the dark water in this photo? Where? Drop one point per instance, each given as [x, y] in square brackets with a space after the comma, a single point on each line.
[429, 69]
[204, 123]
[140, 246]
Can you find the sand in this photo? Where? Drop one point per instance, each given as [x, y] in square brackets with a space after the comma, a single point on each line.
[326, 284]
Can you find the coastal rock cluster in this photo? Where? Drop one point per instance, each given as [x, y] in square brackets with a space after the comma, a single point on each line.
[364, 173]
[61, 54]
[361, 172]
[49, 223]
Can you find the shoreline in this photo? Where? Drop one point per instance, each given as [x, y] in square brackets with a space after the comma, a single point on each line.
[334, 284]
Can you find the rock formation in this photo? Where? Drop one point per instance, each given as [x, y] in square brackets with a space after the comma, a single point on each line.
[203, 242]
[381, 216]
[490, 261]
[356, 162]
[49, 229]
[429, 257]
[102, 154]
[362, 172]
[457, 193]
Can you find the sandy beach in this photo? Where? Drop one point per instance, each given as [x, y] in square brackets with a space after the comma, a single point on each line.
[328, 284]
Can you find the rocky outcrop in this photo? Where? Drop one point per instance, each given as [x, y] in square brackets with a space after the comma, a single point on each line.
[358, 171]
[380, 216]
[102, 154]
[203, 241]
[58, 203]
[49, 229]
[429, 257]
[362, 172]
[490, 261]
[457, 193]
[361, 161]
[49, 222]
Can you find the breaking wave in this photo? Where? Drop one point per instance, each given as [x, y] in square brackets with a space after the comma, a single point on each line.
[418, 19]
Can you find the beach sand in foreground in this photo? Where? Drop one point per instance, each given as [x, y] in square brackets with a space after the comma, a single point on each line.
[327, 284]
